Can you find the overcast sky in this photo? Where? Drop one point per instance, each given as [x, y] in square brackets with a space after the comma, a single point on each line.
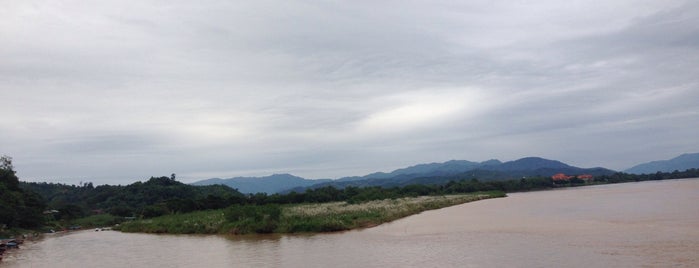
[118, 91]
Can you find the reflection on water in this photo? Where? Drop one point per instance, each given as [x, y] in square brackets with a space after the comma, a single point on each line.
[653, 224]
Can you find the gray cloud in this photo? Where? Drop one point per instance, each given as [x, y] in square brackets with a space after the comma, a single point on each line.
[115, 92]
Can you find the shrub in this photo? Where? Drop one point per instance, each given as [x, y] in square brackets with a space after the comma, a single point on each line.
[254, 218]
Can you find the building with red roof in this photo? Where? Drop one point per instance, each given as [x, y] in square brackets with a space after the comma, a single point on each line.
[561, 177]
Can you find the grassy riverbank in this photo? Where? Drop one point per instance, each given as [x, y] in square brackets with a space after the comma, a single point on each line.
[315, 217]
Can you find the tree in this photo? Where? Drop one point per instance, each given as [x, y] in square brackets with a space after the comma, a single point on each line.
[6, 162]
[18, 208]
[122, 211]
[70, 212]
[7, 173]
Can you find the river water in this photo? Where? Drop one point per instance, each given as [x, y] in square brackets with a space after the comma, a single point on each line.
[647, 224]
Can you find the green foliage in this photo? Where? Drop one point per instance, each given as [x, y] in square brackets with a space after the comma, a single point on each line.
[198, 222]
[18, 207]
[621, 177]
[69, 212]
[155, 197]
[121, 211]
[100, 220]
[253, 218]
[153, 211]
[7, 174]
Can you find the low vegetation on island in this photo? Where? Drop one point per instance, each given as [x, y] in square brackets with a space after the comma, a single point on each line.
[295, 218]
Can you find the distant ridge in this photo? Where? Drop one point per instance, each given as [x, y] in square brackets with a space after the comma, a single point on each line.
[439, 173]
[269, 184]
[449, 167]
[436, 173]
[681, 163]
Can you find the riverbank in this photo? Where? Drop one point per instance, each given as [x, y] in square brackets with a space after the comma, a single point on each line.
[9, 244]
[299, 218]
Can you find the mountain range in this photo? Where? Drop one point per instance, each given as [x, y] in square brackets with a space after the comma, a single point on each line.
[269, 184]
[440, 173]
[432, 173]
[681, 163]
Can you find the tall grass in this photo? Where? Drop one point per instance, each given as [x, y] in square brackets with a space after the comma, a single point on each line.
[100, 220]
[339, 216]
[320, 217]
[198, 222]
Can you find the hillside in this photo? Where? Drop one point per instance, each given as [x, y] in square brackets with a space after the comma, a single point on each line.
[269, 184]
[283, 182]
[440, 173]
[681, 163]
[430, 173]
[449, 167]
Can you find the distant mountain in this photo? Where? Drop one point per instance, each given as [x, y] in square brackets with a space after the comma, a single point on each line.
[269, 184]
[681, 163]
[449, 167]
[540, 167]
[529, 163]
[439, 173]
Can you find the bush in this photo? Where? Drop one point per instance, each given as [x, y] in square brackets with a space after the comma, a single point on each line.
[254, 218]
[122, 211]
[99, 220]
[153, 211]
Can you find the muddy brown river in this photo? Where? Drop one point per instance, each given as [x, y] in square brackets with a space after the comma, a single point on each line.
[647, 224]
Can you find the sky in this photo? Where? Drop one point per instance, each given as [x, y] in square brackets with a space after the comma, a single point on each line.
[114, 92]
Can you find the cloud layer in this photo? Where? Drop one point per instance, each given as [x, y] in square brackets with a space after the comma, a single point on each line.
[114, 92]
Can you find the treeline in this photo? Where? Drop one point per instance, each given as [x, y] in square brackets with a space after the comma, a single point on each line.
[352, 194]
[620, 177]
[157, 196]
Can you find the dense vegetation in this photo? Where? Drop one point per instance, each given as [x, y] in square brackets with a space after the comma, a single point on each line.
[19, 208]
[620, 177]
[155, 197]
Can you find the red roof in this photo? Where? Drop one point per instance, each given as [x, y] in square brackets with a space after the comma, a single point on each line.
[560, 177]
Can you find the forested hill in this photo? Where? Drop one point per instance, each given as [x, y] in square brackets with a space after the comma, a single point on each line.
[431, 173]
[156, 196]
[440, 173]
[269, 184]
[682, 162]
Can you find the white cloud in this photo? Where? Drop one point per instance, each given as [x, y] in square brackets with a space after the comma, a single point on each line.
[423, 109]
